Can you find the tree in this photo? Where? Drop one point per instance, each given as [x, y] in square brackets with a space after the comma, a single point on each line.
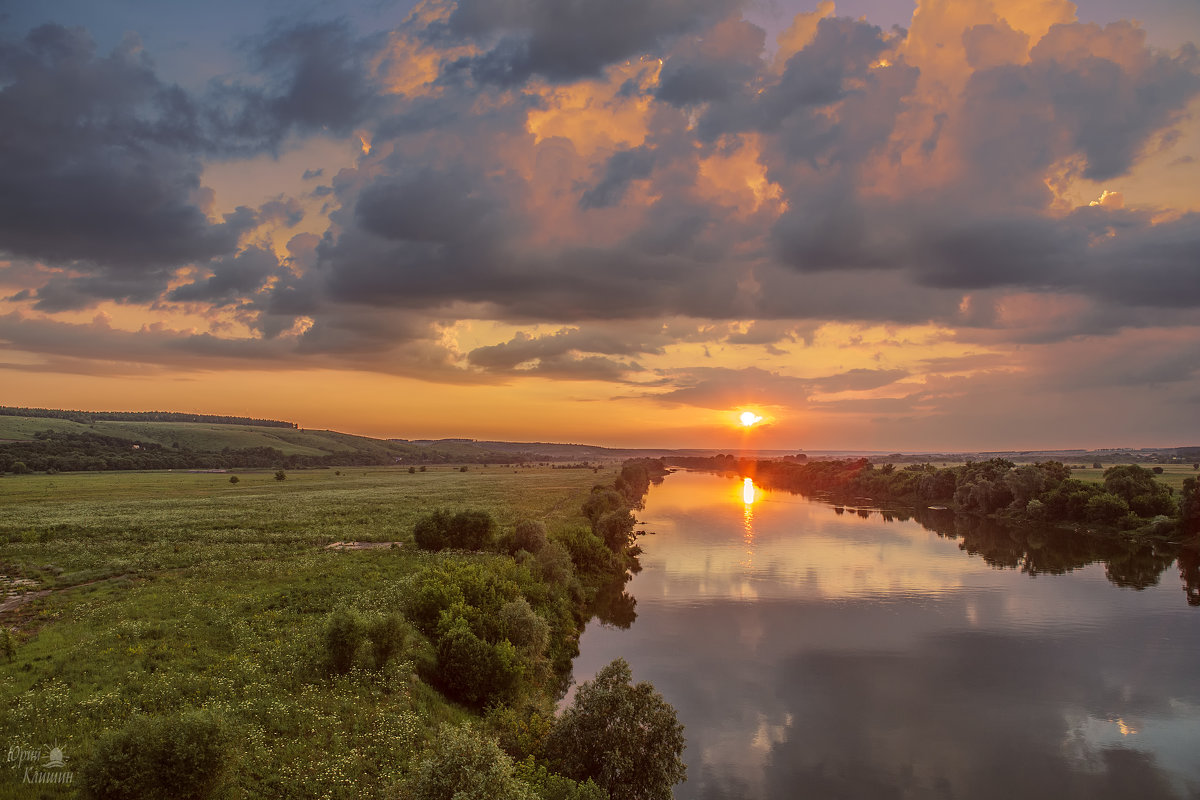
[1106, 507]
[19, 468]
[466, 530]
[529, 535]
[1136, 486]
[234, 479]
[462, 765]
[1189, 505]
[280, 475]
[623, 736]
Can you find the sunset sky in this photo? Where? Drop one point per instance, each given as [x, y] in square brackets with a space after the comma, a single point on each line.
[954, 225]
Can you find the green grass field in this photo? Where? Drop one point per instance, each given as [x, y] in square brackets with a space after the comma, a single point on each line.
[1173, 474]
[181, 590]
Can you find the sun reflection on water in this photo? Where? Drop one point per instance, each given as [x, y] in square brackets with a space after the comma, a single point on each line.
[748, 498]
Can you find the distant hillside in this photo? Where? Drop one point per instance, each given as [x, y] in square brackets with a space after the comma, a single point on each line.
[64, 443]
[138, 416]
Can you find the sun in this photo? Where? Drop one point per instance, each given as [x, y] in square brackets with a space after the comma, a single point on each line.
[749, 419]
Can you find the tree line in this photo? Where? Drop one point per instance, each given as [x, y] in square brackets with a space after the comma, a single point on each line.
[1129, 498]
[56, 451]
[88, 417]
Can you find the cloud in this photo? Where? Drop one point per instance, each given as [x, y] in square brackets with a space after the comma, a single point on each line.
[99, 162]
[567, 41]
[535, 163]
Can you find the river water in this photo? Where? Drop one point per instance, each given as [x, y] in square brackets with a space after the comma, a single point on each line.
[815, 651]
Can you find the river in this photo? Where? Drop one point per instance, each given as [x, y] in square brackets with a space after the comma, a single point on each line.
[815, 651]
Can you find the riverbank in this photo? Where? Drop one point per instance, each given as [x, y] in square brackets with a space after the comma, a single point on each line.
[1127, 500]
[219, 604]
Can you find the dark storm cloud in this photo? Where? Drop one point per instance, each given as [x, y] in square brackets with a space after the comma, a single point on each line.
[316, 80]
[715, 66]
[1094, 91]
[232, 278]
[466, 207]
[101, 161]
[98, 159]
[566, 41]
[622, 168]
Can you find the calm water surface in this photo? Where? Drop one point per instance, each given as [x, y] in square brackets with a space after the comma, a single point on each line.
[825, 655]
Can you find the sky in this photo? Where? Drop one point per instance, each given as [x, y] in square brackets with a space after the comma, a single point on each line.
[875, 224]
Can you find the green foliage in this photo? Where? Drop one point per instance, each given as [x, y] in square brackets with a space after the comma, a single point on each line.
[280, 475]
[623, 736]
[19, 468]
[462, 765]
[388, 635]
[465, 530]
[178, 757]
[528, 535]
[345, 631]
[528, 632]
[554, 564]
[1106, 508]
[476, 589]
[601, 501]
[594, 561]
[520, 732]
[8, 644]
[1135, 485]
[473, 671]
[1189, 505]
[234, 479]
[549, 786]
[615, 528]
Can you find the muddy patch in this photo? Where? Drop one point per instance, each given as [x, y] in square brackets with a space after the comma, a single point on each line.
[361, 545]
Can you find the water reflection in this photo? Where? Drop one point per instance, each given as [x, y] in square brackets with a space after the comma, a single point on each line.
[886, 656]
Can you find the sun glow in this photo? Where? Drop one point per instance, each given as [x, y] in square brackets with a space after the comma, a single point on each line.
[748, 491]
[749, 419]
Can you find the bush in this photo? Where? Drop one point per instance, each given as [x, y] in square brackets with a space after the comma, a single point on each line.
[554, 564]
[524, 628]
[388, 635]
[601, 501]
[412, 470]
[19, 468]
[184, 757]
[462, 765]
[1106, 508]
[529, 535]
[474, 672]
[344, 634]
[466, 530]
[280, 475]
[234, 479]
[548, 786]
[616, 529]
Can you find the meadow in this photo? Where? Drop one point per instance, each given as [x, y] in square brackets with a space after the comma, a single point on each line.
[172, 591]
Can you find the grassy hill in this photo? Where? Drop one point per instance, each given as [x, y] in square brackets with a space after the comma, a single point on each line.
[65, 444]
